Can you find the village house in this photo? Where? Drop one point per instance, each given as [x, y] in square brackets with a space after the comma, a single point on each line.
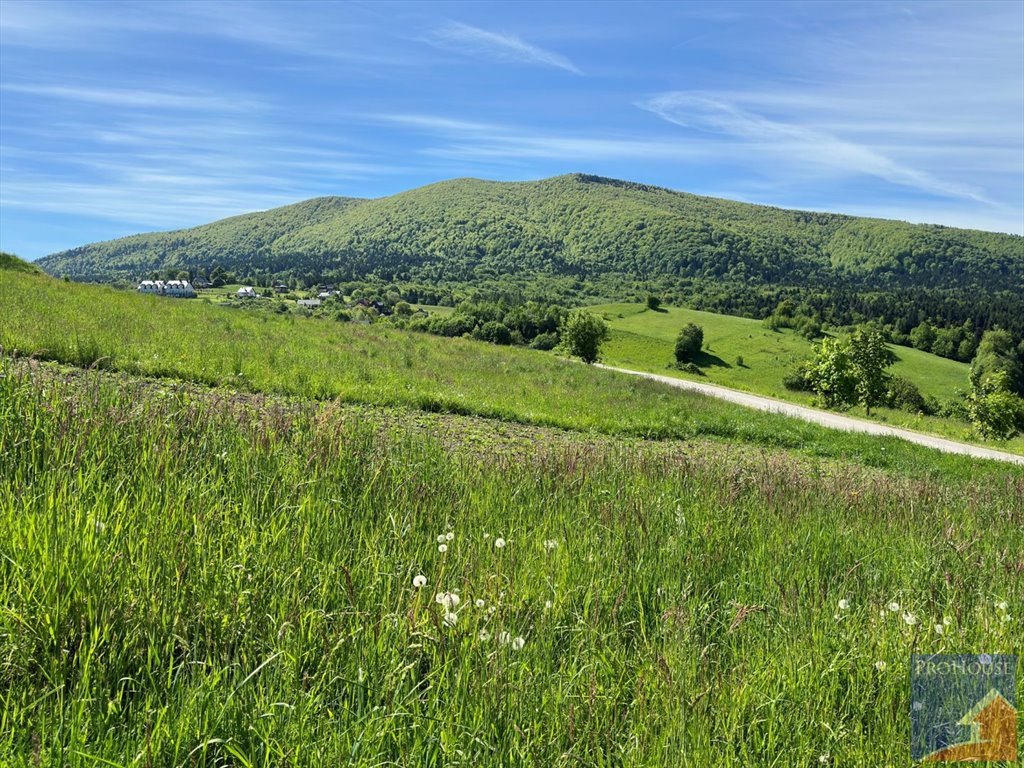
[179, 289]
[308, 302]
[246, 292]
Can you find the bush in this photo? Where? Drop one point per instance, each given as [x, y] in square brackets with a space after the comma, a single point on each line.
[903, 394]
[493, 332]
[653, 303]
[583, 335]
[689, 342]
[545, 341]
[687, 368]
[798, 379]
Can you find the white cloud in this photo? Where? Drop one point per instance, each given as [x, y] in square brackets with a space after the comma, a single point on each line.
[502, 47]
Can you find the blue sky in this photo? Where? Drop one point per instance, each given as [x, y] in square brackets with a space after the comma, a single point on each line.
[118, 118]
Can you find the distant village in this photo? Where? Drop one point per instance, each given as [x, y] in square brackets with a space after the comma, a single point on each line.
[183, 289]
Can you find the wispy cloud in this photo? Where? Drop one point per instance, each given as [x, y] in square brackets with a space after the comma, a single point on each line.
[797, 144]
[502, 47]
[121, 97]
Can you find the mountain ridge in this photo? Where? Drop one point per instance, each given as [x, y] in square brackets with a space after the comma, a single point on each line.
[578, 225]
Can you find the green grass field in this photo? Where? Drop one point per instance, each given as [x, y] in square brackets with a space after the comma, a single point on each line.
[644, 340]
[196, 577]
[193, 341]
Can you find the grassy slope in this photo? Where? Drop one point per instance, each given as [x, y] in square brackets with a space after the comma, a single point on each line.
[200, 578]
[644, 340]
[195, 341]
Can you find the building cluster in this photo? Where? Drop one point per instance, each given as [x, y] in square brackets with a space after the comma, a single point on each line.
[180, 289]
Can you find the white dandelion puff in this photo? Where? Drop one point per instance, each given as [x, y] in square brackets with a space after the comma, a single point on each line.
[449, 600]
[909, 619]
[1002, 606]
[548, 605]
[492, 609]
[440, 538]
[880, 665]
[894, 607]
[419, 580]
[844, 604]
[450, 619]
[550, 544]
[487, 535]
[449, 536]
[499, 543]
[939, 629]
[518, 643]
[442, 548]
[484, 635]
[947, 620]
[504, 638]
[479, 603]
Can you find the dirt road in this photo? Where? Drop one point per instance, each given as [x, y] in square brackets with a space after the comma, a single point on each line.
[825, 418]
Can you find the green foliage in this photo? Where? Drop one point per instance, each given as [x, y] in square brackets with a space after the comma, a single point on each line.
[583, 335]
[923, 337]
[493, 332]
[995, 411]
[869, 357]
[653, 302]
[581, 238]
[903, 394]
[800, 379]
[998, 353]
[689, 342]
[831, 375]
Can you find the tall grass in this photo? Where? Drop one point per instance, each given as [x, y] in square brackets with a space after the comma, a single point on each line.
[200, 578]
[382, 365]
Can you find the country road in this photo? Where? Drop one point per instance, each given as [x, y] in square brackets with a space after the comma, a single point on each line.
[824, 418]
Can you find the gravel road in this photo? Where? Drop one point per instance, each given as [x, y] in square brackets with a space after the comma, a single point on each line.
[825, 418]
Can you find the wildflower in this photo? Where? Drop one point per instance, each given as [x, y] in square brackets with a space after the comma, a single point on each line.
[880, 665]
[504, 638]
[909, 619]
[419, 580]
[499, 543]
[844, 604]
[450, 619]
[491, 610]
[487, 535]
[440, 538]
[518, 643]
[449, 600]
[550, 544]
[484, 635]
[449, 536]
[894, 607]
[442, 548]
[1002, 606]
[479, 603]
[1006, 617]
[939, 629]
[825, 758]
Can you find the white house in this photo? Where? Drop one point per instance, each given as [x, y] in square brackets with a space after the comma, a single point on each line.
[180, 289]
[151, 286]
[308, 302]
[246, 292]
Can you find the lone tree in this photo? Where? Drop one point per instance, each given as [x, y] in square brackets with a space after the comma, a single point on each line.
[653, 303]
[851, 371]
[689, 342]
[583, 335]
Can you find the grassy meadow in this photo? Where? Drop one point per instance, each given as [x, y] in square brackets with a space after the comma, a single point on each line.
[89, 325]
[644, 340]
[204, 577]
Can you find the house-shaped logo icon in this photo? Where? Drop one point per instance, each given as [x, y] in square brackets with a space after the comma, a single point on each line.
[993, 734]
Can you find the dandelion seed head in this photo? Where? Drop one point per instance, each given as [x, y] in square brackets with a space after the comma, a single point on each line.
[947, 620]
[940, 629]
[504, 638]
[518, 643]
[419, 580]
[449, 536]
[548, 605]
[442, 548]
[844, 604]
[894, 607]
[499, 543]
[1002, 606]
[550, 544]
[487, 535]
[450, 619]
[479, 603]
[880, 665]
[449, 600]
[909, 619]
[484, 635]
[440, 538]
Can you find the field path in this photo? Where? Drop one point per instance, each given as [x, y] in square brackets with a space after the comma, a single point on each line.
[824, 418]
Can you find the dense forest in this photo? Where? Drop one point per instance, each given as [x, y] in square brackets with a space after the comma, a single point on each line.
[579, 238]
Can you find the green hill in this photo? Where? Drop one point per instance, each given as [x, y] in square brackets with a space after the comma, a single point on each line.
[12, 263]
[576, 226]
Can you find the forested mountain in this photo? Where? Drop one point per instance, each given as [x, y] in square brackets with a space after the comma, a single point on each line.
[580, 230]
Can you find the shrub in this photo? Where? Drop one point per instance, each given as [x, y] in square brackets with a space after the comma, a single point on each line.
[903, 394]
[493, 332]
[689, 342]
[583, 334]
[545, 341]
[653, 303]
[798, 379]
